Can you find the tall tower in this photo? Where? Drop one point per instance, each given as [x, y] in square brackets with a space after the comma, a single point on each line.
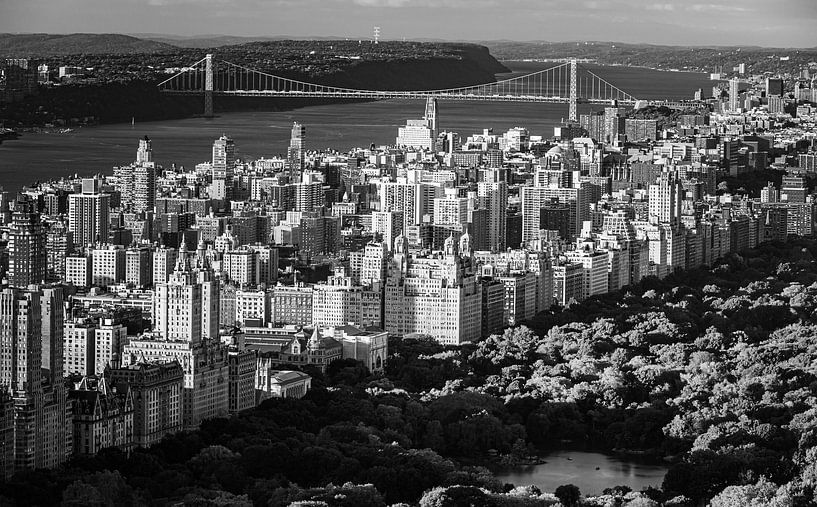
[178, 303]
[734, 94]
[26, 247]
[88, 214]
[573, 115]
[295, 154]
[665, 198]
[144, 187]
[144, 153]
[31, 327]
[209, 69]
[430, 116]
[493, 196]
[223, 164]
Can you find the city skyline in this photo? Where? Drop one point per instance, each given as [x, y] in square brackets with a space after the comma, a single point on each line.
[627, 21]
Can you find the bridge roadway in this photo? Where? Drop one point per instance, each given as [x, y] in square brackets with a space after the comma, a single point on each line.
[387, 95]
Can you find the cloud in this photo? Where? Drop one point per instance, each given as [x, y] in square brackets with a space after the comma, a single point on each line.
[661, 7]
[717, 8]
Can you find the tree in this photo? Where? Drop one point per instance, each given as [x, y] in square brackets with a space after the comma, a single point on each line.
[568, 494]
[455, 496]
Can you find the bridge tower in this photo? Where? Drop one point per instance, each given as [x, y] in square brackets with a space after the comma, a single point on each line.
[573, 115]
[208, 86]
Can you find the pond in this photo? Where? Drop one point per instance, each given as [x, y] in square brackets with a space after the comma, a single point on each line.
[592, 472]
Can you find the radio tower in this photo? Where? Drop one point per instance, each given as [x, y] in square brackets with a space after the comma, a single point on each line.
[377, 35]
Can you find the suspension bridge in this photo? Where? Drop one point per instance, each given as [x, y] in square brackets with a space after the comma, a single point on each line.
[568, 82]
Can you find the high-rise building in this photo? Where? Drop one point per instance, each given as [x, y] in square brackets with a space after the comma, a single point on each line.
[492, 194]
[164, 259]
[774, 87]
[144, 154]
[388, 225]
[101, 417]
[88, 214]
[157, 398]
[58, 244]
[415, 134]
[178, 304]
[28, 260]
[734, 95]
[186, 325]
[339, 302]
[793, 189]
[450, 210]
[78, 348]
[78, 270]
[136, 183]
[415, 200]
[430, 116]
[535, 198]
[31, 340]
[108, 265]
[223, 163]
[434, 294]
[594, 263]
[138, 266]
[295, 152]
[665, 198]
[242, 379]
[144, 187]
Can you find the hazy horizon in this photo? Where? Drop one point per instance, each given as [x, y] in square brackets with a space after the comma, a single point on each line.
[783, 24]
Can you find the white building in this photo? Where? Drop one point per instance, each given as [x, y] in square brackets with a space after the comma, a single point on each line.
[253, 304]
[78, 270]
[339, 302]
[108, 265]
[416, 134]
[78, 348]
[369, 347]
[435, 294]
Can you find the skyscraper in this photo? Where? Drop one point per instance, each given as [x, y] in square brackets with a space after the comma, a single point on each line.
[26, 246]
[144, 187]
[178, 305]
[774, 87]
[88, 214]
[665, 198]
[185, 330]
[734, 94]
[431, 116]
[144, 154]
[295, 153]
[434, 294]
[493, 196]
[31, 336]
[223, 163]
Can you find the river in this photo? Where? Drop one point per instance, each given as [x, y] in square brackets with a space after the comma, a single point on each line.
[591, 472]
[188, 141]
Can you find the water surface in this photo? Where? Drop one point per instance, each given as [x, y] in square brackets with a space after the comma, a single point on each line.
[340, 126]
[592, 472]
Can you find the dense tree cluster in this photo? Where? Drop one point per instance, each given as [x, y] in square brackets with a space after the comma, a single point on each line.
[713, 370]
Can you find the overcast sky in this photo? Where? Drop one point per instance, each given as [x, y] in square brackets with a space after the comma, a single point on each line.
[788, 23]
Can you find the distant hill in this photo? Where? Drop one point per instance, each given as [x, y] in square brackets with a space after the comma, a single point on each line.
[692, 58]
[216, 41]
[42, 44]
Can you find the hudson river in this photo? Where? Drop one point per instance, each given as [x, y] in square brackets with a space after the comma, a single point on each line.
[90, 150]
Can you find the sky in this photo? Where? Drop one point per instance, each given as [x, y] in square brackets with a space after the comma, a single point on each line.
[777, 23]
